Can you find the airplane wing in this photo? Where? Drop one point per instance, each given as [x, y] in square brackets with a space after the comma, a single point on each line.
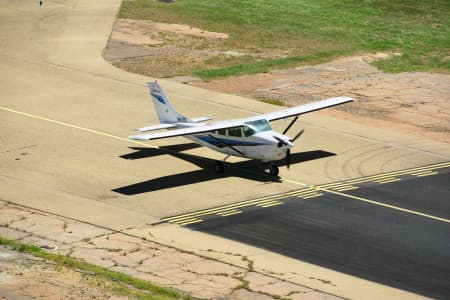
[280, 114]
[189, 130]
[302, 109]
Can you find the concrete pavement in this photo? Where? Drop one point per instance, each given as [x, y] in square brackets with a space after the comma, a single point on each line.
[65, 114]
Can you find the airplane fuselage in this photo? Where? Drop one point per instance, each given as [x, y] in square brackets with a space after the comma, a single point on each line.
[250, 137]
[260, 146]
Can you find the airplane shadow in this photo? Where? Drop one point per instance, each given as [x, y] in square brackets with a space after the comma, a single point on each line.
[249, 169]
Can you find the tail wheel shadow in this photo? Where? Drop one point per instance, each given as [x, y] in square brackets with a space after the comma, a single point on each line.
[249, 169]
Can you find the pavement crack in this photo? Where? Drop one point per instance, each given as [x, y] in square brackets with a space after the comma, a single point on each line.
[322, 280]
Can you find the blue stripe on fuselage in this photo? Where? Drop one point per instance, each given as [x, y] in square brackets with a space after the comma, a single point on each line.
[229, 142]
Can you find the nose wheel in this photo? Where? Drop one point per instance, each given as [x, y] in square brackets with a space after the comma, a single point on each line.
[273, 170]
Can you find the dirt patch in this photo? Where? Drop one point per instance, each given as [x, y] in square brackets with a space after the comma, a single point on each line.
[167, 50]
[416, 103]
[27, 277]
[142, 32]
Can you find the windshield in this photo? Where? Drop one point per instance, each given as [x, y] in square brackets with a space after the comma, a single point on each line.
[250, 128]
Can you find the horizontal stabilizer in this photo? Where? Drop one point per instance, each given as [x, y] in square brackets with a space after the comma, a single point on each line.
[187, 131]
[155, 127]
[200, 119]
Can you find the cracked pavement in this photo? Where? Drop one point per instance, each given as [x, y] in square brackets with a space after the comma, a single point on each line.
[198, 276]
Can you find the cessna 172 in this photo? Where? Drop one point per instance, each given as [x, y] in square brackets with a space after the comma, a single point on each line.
[250, 137]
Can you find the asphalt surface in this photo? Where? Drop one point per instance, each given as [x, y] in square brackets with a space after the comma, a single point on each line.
[385, 244]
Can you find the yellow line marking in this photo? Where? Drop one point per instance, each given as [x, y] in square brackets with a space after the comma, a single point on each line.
[402, 172]
[378, 203]
[422, 172]
[192, 222]
[428, 174]
[372, 179]
[388, 206]
[267, 202]
[313, 196]
[344, 185]
[310, 193]
[178, 220]
[348, 188]
[78, 127]
[220, 210]
[272, 204]
[388, 180]
[381, 178]
[230, 213]
[226, 207]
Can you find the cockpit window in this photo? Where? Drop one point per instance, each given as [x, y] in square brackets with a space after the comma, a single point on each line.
[235, 131]
[253, 127]
[248, 131]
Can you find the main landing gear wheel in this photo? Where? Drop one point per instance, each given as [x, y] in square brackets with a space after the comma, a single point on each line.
[218, 167]
[273, 171]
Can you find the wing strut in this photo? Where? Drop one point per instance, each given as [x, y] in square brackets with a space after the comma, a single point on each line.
[225, 144]
[290, 125]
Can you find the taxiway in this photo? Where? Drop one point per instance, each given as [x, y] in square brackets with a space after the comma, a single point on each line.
[65, 114]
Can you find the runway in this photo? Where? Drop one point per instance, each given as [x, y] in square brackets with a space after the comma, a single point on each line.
[400, 239]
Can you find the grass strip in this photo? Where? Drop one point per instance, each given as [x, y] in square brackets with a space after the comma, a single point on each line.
[151, 291]
[266, 65]
[418, 30]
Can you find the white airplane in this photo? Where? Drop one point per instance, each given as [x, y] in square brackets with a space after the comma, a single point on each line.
[248, 137]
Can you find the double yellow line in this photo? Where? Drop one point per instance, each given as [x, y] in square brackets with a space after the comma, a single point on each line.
[385, 177]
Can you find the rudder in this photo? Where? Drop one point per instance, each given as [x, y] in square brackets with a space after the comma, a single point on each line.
[166, 113]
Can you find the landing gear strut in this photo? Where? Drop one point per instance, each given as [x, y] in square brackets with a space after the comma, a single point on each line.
[273, 170]
[219, 165]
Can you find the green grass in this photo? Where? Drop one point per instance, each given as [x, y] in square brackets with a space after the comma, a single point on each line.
[145, 290]
[273, 101]
[420, 30]
[264, 66]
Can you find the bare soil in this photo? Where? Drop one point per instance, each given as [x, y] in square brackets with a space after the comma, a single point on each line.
[167, 50]
[24, 277]
[415, 103]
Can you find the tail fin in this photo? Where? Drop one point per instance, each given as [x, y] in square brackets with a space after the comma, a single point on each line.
[166, 113]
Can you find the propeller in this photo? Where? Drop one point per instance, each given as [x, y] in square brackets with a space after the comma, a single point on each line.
[281, 142]
[288, 151]
[298, 135]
